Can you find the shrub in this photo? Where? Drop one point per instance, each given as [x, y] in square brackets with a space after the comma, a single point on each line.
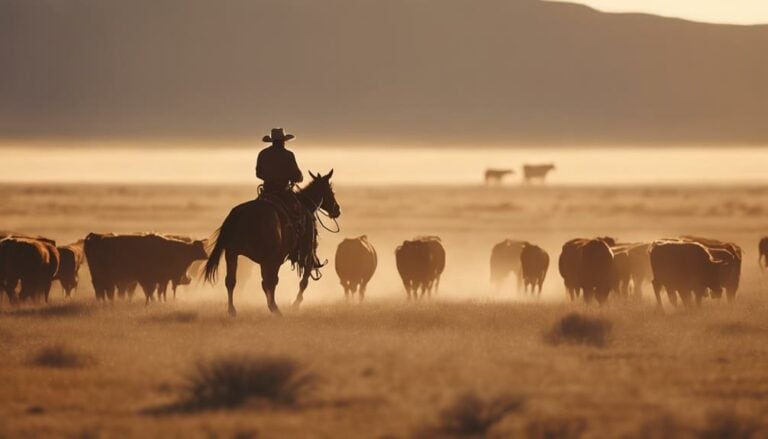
[231, 381]
[471, 416]
[578, 329]
[60, 356]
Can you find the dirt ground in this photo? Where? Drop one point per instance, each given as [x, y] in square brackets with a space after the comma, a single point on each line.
[386, 368]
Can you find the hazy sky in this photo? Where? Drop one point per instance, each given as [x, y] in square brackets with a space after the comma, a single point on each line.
[715, 11]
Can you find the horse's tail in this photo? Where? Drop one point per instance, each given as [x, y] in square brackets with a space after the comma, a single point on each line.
[223, 236]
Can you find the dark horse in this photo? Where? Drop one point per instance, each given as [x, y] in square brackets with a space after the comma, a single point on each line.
[256, 230]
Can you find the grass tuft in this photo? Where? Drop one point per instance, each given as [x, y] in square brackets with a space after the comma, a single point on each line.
[556, 428]
[174, 317]
[230, 382]
[62, 310]
[60, 356]
[728, 425]
[471, 416]
[575, 328]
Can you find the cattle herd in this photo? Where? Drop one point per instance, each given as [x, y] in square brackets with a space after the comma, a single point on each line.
[687, 268]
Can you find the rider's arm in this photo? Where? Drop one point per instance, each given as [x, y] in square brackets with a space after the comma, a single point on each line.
[259, 168]
[297, 176]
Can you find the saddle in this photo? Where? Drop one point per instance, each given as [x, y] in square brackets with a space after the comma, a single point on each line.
[301, 221]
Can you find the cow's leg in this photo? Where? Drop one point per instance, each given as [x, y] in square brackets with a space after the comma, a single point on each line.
[46, 289]
[657, 291]
[588, 293]
[230, 281]
[149, 291]
[685, 296]
[162, 289]
[173, 287]
[361, 290]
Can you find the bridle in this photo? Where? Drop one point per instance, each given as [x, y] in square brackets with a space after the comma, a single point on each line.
[317, 211]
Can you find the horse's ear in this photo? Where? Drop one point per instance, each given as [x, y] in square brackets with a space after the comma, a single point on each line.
[330, 174]
[314, 177]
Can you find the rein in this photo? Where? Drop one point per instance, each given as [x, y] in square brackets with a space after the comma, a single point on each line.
[317, 211]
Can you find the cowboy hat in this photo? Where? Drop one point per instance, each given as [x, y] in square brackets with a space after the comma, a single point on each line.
[278, 134]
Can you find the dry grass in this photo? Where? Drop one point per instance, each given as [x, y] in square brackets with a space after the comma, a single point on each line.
[232, 381]
[388, 367]
[576, 328]
[472, 416]
[70, 309]
[60, 356]
[174, 317]
[554, 427]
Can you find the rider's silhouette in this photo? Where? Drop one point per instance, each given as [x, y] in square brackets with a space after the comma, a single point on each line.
[276, 165]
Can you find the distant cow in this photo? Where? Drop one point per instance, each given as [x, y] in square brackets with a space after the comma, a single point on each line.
[72, 257]
[31, 262]
[536, 172]
[535, 263]
[729, 255]
[505, 259]
[683, 268]
[420, 262]
[150, 260]
[593, 272]
[495, 176]
[356, 262]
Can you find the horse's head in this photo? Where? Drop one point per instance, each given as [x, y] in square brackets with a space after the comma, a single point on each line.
[325, 191]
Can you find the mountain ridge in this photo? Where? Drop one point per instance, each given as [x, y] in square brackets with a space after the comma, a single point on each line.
[395, 71]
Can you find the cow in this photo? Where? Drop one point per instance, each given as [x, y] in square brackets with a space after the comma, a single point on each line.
[31, 262]
[622, 270]
[683, 267]
[640, 267]
[355, 264]
[495, 176]
[730, 256]
[535, 263]
[536, 172]
[72, 257]
[579, 274]
[597, 273]
[569, 265]
[505, 259]
[150, 260]
[762, 252]
[420, 262]
[631, 266]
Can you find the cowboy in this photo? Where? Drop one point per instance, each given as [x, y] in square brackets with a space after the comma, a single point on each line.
[277, 167]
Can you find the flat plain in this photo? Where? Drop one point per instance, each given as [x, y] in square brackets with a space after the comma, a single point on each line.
[388, 368]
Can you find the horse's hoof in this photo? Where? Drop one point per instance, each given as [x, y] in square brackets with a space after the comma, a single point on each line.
[232, 312]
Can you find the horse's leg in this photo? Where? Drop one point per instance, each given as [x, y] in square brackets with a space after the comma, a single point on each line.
[269, 279]
[302, 286]
[230, 281]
